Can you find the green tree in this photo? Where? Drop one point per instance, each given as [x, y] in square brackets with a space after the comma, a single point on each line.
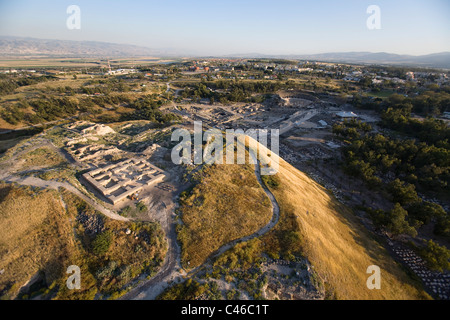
[442, 227]
[398, 223]
[436, 256]
[401, 192]
[141, 207]
[425, 211]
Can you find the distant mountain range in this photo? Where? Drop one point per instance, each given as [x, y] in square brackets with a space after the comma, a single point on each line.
[435, 60]
[16, 46]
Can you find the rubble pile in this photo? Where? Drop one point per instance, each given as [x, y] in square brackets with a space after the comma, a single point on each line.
[439, 283]
[92, 224]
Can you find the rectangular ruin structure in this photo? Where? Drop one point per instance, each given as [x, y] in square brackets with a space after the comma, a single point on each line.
[118, 181]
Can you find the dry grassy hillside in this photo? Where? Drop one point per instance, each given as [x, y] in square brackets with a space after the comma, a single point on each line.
[227, 204]
[337, 245]
[35, 237]
[42, 232]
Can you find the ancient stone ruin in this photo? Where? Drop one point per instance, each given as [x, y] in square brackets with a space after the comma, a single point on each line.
[118, 181]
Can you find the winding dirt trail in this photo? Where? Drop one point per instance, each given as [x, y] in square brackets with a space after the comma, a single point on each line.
[36, 182]
[171, 269]
[168, 273]
[8, 175]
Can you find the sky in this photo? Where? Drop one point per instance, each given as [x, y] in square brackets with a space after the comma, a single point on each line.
[200, 27]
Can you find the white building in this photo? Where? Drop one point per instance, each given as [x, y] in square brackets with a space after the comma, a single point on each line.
[346, 114]
[322, 123]
[120, 71]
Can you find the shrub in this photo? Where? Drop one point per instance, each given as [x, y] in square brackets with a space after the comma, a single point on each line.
[141, 207]
[107, 271]
[271, 181]
[125, 211]
[442, 227]
[102, 242]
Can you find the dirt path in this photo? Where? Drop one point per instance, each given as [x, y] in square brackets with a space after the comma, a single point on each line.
[171, 270]
[36, 182]
[40, 142]
[260, 232]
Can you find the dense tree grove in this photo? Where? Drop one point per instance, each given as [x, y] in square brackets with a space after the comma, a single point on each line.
[45, 109]
[426, 103]
[431, 131]
[8, 84]
[107, 86]
[399, 167]
[48, 108]
[148, 109]
[234, 91]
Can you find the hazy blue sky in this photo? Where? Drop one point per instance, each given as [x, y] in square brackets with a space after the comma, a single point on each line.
[240, 26]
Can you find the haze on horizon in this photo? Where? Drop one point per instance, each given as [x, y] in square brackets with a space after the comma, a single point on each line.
[199, 27]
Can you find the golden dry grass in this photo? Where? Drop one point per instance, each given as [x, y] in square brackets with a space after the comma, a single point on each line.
[41, 235]
[337, 244]
[227, 204]
[35, 236]
[41, 157]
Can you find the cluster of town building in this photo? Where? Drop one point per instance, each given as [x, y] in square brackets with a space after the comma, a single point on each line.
[244, 69]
